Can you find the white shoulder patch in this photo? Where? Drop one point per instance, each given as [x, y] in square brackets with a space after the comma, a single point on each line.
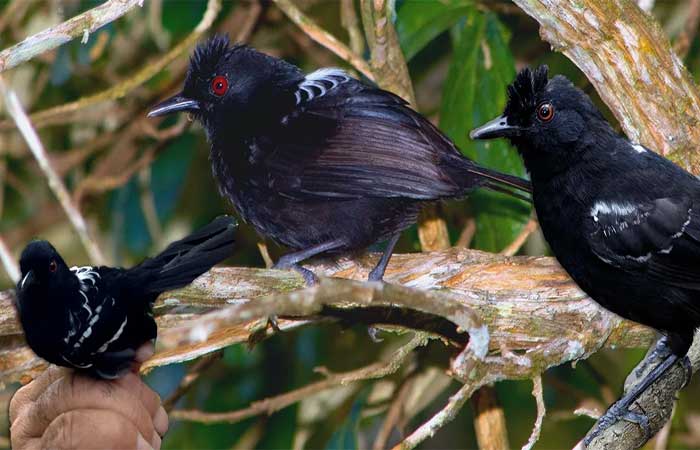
[638, 148]
[619, 209]
[317, 83]
[85, 274]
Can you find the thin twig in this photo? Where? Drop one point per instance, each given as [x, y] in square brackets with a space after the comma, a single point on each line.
[541, 411]
[323, 37]
[148, 204]
[15, 110]
[467, 234]
[79, 26]
[120, 90]
[274, 404]
[445, 415]
[192, 376]
[8, 262]
[690, 29]
[393, 416]
[265, 253]
[520, 239]
[348, 17]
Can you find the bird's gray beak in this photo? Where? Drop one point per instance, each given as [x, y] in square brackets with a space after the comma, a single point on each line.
[27, 280]
[176, 103]
[496, 128]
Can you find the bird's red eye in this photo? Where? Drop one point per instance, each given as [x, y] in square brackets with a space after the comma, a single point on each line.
[219, 85]
[53, 267]
[545, 112]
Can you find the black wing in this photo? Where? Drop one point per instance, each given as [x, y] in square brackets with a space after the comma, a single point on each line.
[97, 323]
[351, 140]
[660, 238]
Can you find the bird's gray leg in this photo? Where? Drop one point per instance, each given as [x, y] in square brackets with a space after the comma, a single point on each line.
[377, 274]
[292, 260]
[660, 352]
[621, 408]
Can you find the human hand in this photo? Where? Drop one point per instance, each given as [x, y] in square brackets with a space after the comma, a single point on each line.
[66, 410]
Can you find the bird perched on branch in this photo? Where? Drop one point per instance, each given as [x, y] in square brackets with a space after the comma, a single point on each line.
[321, 162]
[623, 221]
[94, 318]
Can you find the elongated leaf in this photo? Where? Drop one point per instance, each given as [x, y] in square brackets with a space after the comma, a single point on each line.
[481, 68]
[420, 21]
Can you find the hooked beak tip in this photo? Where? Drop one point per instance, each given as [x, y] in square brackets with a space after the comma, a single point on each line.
[176, 103]
[26, 280]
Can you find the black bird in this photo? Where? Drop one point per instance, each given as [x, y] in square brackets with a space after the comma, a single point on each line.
[94, 318]
[623, 221]
[322, 162]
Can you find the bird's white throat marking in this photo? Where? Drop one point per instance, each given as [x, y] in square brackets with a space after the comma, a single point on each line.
[317, 83]
[619, 209]
[638, 148]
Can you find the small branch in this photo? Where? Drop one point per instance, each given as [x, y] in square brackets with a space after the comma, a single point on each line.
[87, 22]
[15, 110]
[444, 416]
[393, 416]
[274, 404]
[489, 420]
[467, 233]
[265, 253]
[541, 411]
[521, 238]
[120, 90]
[191, 378]
[323, 37]
[348, 17]
[690, 29]
[8, 262]
[656, 403]
[388, 63]
[432, 230]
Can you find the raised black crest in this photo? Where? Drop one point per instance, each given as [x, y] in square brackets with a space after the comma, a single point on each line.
[522, 93]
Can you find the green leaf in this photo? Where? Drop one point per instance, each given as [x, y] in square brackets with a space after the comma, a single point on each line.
[475, 92]
[419, 22]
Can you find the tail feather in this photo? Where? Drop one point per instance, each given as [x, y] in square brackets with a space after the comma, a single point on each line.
[184, 260]
[501, 179]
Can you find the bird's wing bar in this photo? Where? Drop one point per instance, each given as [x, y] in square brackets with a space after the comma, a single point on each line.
[659, 238]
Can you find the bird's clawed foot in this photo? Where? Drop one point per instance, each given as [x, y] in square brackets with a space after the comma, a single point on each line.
[619, 411]
[661, 351]
[309, 277]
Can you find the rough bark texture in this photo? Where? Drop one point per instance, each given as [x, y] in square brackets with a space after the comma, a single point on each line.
[527, 304]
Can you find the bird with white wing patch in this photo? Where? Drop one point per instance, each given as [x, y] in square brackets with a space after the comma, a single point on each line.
[95, 318]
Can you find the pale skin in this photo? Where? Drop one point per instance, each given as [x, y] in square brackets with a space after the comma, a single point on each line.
[65, 410]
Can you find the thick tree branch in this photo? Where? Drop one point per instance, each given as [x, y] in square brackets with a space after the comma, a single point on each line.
[528, 305]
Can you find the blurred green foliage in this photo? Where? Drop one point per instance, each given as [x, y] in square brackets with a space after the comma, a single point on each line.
[461, 55]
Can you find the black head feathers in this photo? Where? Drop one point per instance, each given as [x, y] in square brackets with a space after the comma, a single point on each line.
[523, 92]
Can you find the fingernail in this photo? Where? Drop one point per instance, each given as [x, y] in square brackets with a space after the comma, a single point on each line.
[144, 352]
[141, 443]
[160, 421]
[155, 443]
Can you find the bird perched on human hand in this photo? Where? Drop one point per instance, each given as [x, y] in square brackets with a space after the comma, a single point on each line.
[623, 221]
[95, 318]
[322, 162]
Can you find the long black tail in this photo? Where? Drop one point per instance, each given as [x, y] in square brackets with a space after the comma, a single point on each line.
[184, 260]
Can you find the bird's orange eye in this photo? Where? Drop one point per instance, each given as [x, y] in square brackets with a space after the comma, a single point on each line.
[53, 267]
[219, 85]
[545, 112]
